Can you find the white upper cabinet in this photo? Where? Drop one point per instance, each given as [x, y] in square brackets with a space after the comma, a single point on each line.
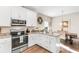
[14, 13]
[24, 14]
[5, 13]
[17, 12]
[31, 18]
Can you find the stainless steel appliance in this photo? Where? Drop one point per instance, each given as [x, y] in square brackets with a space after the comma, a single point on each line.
[18, 39]
[16, 22]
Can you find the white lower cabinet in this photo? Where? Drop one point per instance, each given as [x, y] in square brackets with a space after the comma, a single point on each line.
[31, 40]
[52, 44]
[5, 45]
[48, 42]
[43, 41]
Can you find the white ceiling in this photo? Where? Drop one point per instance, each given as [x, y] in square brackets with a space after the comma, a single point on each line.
[54, 10]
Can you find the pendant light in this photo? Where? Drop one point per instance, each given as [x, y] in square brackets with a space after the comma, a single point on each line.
[62, 20]
[64, 23]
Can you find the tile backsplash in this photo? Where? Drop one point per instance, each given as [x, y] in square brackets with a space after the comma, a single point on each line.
[5, 30]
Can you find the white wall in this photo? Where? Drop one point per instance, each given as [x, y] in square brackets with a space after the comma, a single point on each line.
[73, 22]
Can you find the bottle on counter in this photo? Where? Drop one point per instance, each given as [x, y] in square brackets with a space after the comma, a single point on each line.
[27, 31]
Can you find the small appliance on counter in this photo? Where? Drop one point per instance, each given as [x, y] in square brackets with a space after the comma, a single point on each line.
[27, 31]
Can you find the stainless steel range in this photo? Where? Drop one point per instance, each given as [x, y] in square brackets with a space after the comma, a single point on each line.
[19, 37]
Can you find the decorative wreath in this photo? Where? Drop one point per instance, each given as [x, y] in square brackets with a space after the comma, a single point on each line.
[39, 20]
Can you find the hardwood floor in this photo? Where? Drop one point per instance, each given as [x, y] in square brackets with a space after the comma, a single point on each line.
[73, 46]
[36, 49]
[62, 50]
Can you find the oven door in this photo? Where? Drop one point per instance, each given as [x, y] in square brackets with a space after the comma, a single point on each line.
[23, 40]
[15, 42]
[19, 42]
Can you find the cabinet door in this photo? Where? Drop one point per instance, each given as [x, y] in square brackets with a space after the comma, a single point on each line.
[15, 12]
[53, 44]
[19, 13]
[5, 13]
[31, 18]
[43, 41]
[22, 13]
[5, 45]
[46, 42]
[31, 40]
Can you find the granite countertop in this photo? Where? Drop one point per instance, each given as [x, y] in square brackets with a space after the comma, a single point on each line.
[53, 34]
[2, 36]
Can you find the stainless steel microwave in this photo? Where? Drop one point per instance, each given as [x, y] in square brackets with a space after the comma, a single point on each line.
[17, 22]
